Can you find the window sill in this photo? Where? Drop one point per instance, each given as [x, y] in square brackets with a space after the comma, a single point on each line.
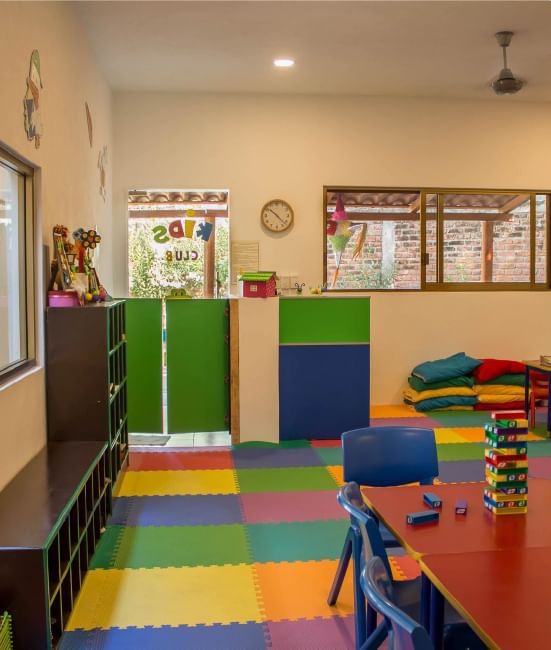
[19, 374]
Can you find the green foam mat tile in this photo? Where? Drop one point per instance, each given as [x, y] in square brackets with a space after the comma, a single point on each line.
[457, 419]
[540, 430]
[539, 448]
[461, 451]
[297, 541]
[285, 479]
[330, 455]
[173, 546]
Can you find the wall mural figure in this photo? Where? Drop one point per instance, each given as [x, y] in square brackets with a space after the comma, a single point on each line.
[102, 164]
[89, 123]
[31, 104]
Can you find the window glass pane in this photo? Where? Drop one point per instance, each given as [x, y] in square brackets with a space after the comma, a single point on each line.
[13, 321]
[373, 240]
[541, 237]
[170, 253]
[431, 237]
[486, 238]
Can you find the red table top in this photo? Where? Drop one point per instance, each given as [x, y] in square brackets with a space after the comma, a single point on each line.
[504, 595]
[478, 530]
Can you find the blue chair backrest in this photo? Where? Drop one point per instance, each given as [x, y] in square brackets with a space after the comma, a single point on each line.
[384, 456]
[350, 498]
[403, 632]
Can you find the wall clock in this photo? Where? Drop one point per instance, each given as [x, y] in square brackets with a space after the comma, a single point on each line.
[277, 215]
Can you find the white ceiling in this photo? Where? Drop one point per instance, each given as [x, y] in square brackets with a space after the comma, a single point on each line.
[370, 48]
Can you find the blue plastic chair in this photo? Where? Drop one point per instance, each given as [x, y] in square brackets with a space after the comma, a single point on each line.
[403, 632]
[381, 456]
[368, 542]
[407, 595]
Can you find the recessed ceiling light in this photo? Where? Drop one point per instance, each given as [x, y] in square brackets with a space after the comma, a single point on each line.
[284, 63]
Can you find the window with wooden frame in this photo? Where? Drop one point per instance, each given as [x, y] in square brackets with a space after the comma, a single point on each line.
[17, 309]
[434, 239]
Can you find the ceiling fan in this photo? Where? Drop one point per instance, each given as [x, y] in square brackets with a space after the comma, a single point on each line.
[506, 83]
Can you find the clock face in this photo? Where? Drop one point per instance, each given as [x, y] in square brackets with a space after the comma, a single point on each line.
[277, 215]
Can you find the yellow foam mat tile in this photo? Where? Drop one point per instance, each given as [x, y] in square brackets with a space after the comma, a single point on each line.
[336, 473]
[394, 411]
[444, 436]
[181, 596]
[298, 590]
[164, 483]
[469, 434]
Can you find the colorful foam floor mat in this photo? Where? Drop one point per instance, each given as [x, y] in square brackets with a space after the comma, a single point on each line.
[237, 548]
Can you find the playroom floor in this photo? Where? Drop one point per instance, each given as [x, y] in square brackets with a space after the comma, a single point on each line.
[236, 548]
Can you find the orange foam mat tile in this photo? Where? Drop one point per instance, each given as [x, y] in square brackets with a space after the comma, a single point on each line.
[298, 590]
[336, 472]
[394, 411]
[164, 483]
[179, 596]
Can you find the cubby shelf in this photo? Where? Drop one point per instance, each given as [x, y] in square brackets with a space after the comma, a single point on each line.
[53, 512]
[62, 501]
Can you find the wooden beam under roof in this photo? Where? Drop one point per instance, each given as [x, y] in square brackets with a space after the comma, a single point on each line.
[407, 216]
[514, 203]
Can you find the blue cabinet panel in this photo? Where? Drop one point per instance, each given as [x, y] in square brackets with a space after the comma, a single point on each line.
[323, 390]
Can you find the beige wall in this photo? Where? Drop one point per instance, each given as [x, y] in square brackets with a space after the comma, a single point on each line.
[262, 147]
[68, 178]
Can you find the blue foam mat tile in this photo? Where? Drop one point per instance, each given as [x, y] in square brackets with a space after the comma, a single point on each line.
[246, 636]
[266, 457]
[185, 510]
[461, 471]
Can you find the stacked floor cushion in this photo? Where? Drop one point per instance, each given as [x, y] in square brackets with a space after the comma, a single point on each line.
[499, 384]
[442, 384]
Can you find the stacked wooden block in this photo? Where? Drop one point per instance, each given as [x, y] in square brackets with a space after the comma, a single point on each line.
[506, 464]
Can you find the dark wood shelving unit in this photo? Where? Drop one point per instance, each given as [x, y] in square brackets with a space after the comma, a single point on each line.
[54, 511]
[51, 518]
[86, 377]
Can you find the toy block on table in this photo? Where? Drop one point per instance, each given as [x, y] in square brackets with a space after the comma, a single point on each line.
[461, 507]
[512, 424]
[432, 500]
[508, 415]
[423, 517]
[506, 464]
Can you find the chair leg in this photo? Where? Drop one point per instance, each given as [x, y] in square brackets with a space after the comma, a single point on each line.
[360, 603]
[346, 554]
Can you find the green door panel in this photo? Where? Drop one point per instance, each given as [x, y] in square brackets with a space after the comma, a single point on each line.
[197, 350]
[144, 365]
[323, 320]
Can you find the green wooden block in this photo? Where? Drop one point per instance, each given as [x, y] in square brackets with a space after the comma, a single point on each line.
[324, 320]
[144, 365]
[197, 350]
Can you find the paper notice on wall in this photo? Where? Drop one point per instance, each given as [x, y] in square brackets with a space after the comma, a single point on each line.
[244, 258]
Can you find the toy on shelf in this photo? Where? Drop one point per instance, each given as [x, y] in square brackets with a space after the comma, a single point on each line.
[74, 280]
[259, 285]
[506, 464]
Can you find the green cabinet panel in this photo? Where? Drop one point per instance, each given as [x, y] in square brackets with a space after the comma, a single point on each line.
[144, 363]
[197, 348]
[323, 320]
